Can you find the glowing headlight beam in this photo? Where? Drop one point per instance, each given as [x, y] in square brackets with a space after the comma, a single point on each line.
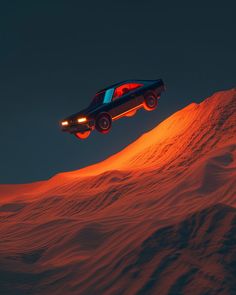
[65, 123]
[81, 120]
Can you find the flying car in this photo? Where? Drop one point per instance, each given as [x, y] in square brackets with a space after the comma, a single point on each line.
[122, 99]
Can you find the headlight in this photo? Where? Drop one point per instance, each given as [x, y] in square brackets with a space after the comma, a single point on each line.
[65, 123]
[82, 120]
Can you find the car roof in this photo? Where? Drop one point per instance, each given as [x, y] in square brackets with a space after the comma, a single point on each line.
[126, 81]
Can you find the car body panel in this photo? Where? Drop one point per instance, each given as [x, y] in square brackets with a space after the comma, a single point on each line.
[106, 102]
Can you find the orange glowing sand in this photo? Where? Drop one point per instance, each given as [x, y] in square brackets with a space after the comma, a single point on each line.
[156, 218]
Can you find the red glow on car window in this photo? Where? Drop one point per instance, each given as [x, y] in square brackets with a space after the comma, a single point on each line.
[125, 88]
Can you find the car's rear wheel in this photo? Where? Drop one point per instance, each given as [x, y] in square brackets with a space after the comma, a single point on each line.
[103, 123]
[83, 135]
[150, 101]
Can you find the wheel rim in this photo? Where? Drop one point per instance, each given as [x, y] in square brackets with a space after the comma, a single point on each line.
[104, 123]
[151, 102]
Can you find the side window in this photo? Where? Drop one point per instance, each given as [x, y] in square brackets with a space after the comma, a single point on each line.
[125, 88]
[98, 98]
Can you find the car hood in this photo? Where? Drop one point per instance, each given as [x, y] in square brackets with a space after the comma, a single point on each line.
[84, 112]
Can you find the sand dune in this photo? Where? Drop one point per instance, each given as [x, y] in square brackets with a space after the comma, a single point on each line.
[158, 217]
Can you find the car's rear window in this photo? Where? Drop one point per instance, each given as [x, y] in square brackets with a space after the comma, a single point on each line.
[125, 88]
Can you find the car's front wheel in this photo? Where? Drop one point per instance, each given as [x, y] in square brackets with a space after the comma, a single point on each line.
[103, 123]
[83, 135]
[150, 102]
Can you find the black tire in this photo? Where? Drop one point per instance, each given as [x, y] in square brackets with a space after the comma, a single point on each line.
[150, 101]
[103, 123]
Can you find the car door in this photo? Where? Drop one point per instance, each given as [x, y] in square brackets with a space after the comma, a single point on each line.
[124, 99]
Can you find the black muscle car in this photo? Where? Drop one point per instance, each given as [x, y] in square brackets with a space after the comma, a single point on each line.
[109, 104]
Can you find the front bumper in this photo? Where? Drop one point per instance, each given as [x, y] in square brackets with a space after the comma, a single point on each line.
[78, 127]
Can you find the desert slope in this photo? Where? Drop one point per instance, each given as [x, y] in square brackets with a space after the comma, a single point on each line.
[156, 218]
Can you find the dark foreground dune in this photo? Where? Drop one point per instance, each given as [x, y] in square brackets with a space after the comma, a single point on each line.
[157, 218]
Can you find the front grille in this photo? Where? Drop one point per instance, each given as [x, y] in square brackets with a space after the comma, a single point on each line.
[73, 122]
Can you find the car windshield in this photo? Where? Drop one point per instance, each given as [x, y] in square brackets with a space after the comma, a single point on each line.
[98, 99]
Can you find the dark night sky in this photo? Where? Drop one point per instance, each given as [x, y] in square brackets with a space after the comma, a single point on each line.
[54, 55]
